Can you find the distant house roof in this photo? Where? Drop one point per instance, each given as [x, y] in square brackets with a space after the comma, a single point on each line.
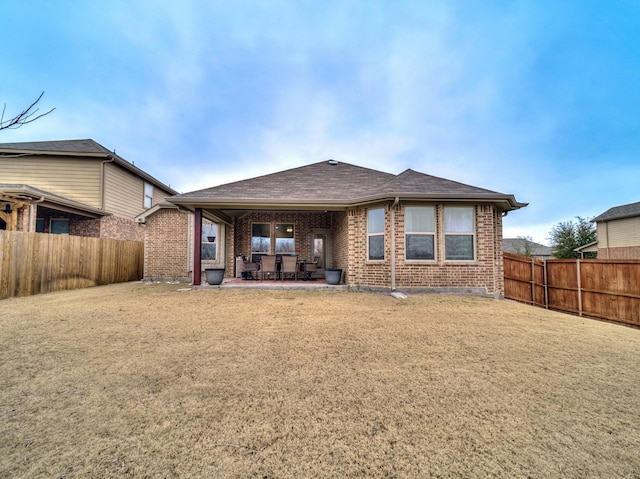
[619, 212]
[80, 148]
[335, 184]
[522, 245]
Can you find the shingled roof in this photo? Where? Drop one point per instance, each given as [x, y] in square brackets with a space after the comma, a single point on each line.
[58, 146]
[619, 212]
[339, 184]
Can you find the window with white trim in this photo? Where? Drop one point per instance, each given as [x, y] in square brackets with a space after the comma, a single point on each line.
[148, 195]
[459, 233]
[420, 233]
[209, 240]
[375, 234]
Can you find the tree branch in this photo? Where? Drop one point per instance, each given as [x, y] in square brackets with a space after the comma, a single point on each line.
[23, 118]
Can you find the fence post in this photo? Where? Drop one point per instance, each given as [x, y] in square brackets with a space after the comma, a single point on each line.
[533, 282]
[579, 288]
[546, 284]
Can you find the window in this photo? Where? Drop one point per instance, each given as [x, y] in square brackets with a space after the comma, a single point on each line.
[375, 233]
[260, 238]
[59, 227]
[459, 233]
[209, 238]
[419, 232]
[39, 225]
[148, 195]
[285, 239]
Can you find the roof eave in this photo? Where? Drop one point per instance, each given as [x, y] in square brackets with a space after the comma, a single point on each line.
[505, 202]
[29, 193]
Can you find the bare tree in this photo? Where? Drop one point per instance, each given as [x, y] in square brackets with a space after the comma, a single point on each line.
[26, 116]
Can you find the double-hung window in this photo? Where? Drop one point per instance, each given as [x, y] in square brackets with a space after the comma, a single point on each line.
[209, 236]
[260, 238]
[459, 232]
[375, 234]
[148, 195]
[420, 232]
[285, 239]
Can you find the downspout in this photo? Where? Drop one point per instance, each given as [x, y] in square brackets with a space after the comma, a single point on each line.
[393, 243]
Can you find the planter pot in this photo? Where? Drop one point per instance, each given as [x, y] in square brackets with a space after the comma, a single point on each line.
[214, 275]
[333, 276]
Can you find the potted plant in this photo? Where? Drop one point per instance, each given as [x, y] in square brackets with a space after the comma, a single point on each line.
[333, 275]
[214, 275]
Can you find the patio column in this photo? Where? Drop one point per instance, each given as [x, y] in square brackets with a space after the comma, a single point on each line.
[197, 246]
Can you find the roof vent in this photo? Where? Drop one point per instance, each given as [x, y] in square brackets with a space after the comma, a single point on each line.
[333, 162]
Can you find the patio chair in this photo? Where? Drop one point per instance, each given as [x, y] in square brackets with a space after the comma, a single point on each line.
[268, 265]
[310, 267]
[289, 266]
[248, 269]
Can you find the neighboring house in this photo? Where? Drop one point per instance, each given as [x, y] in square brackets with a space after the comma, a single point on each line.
[525, 247]
[618, 231]
[75, 187]
[410, 231]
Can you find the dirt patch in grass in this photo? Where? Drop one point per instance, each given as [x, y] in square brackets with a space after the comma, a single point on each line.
[148, 381]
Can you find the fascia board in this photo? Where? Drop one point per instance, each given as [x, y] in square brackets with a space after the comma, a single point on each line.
[508, 202]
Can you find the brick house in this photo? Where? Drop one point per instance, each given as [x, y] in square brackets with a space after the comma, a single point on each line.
[75, 187]
[410, 232]
[618, 231]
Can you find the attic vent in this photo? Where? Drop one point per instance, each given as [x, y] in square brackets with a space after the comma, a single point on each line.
[333, 162]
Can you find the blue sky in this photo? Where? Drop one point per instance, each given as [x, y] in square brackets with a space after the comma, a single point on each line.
[536, 98]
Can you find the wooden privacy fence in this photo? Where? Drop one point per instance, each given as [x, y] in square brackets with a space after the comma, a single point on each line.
[607, 289]
[32, 263]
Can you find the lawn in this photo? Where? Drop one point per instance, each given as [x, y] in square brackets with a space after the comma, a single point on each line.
[136, 380]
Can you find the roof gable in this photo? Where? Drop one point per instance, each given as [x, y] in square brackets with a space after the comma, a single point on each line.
[339, 184]
[322, 181]
[411, 182]
[619, 212]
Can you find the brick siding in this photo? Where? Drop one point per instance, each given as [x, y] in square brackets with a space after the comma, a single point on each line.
[167, 249]
[304, 223]
[116, 227]
[166, 246]
[484, 274]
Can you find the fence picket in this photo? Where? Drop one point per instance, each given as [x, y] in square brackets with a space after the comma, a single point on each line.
[33, 263]
[606, 289]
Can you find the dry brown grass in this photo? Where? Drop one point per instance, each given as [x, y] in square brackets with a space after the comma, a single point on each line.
[147, 381]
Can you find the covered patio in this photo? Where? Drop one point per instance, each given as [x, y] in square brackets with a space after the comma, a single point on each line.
[245, 236]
